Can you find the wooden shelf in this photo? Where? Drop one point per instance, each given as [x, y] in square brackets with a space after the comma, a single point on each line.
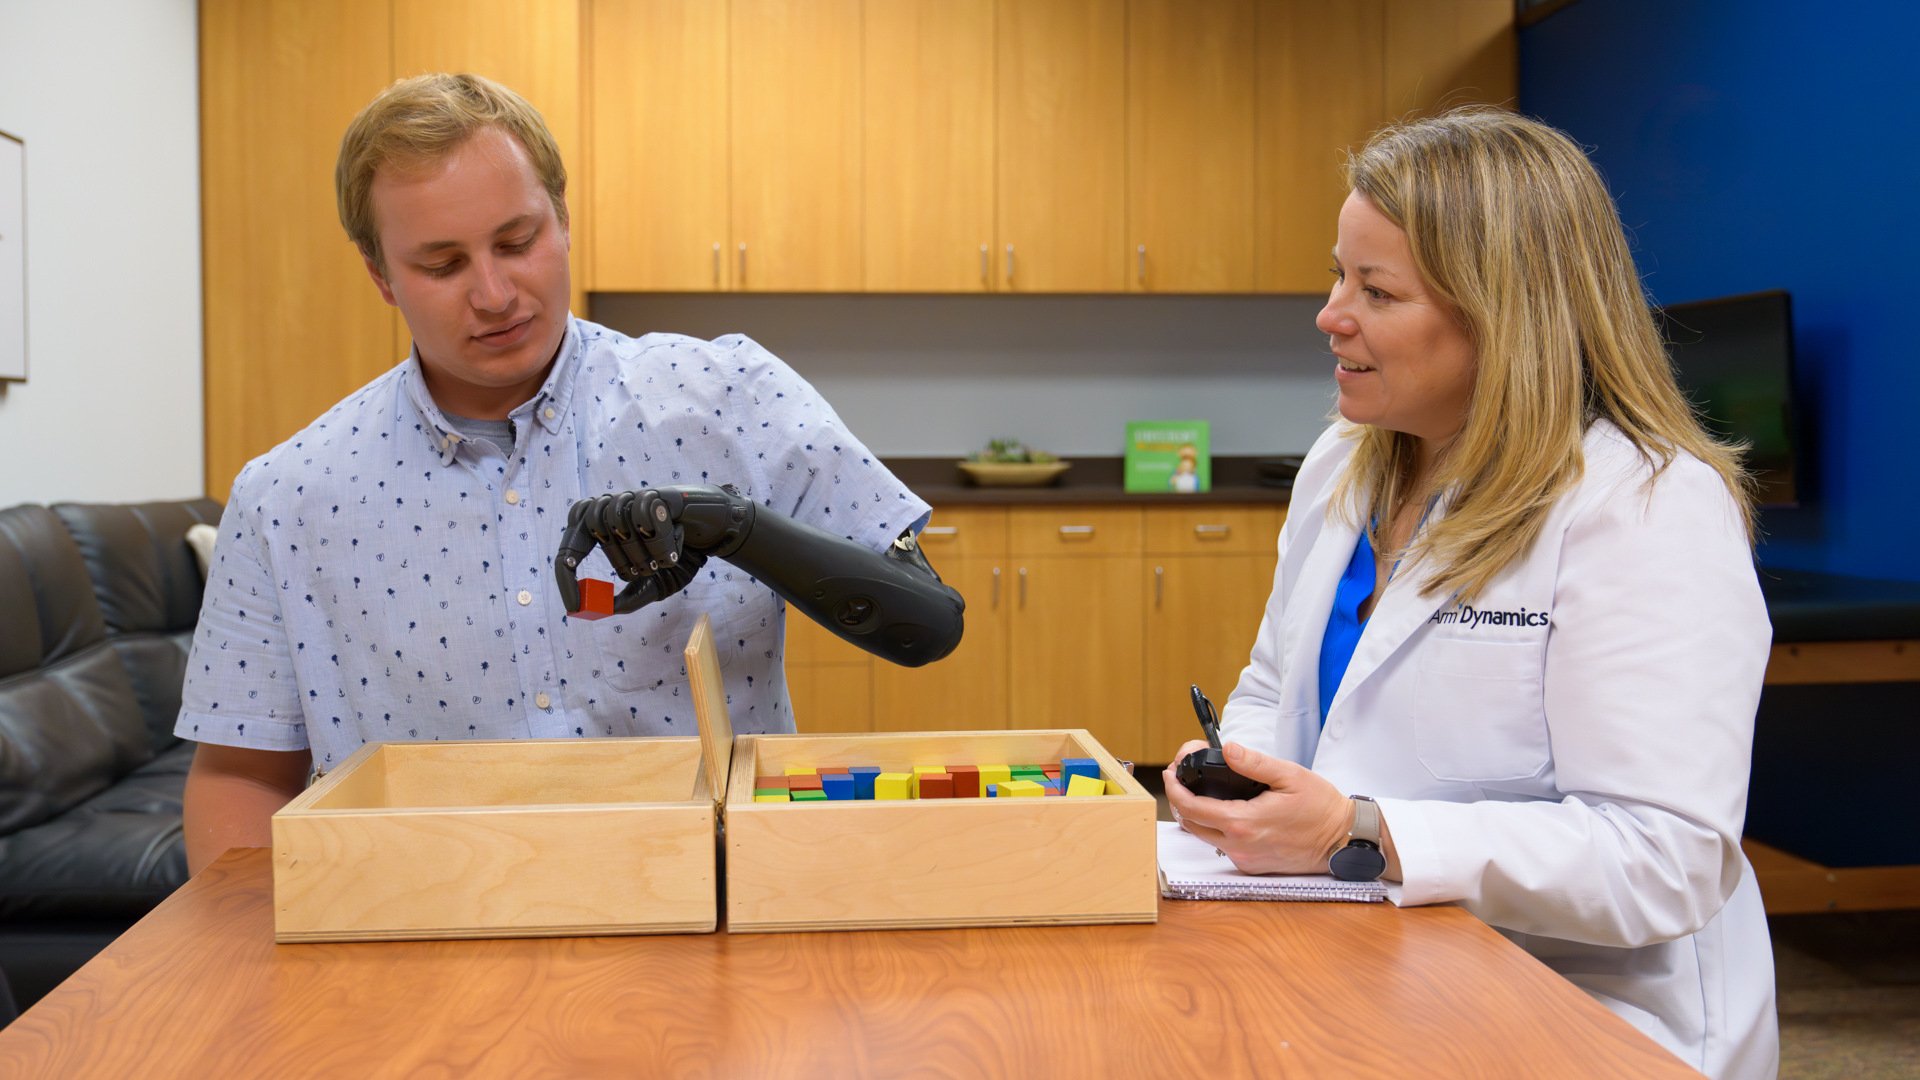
[1791, 885]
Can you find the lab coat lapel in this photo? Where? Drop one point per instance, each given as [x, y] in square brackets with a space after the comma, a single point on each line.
[1403, 609]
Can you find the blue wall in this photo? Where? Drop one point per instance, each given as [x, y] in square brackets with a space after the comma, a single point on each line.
[1774, 144]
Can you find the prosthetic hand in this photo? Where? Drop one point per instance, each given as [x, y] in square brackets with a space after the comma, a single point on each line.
[892, 605]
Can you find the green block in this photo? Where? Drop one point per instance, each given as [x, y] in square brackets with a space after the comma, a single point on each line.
[809, 796]
[770, 791]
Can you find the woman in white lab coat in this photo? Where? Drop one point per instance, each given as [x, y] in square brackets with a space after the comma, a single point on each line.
[1515, 603]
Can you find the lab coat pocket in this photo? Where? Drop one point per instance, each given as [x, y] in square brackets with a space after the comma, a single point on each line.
[1483, 715]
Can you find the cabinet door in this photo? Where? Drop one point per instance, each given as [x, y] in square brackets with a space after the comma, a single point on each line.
[1060, 128]
[1190, 145]
[1203, 612]
[928, 145]
[530, 46]
[1077, 647]
[794, 71]
[967, 691]
[658, 146]
[1321, 92]
[831, 698]
[1439, 55]
[292, 323]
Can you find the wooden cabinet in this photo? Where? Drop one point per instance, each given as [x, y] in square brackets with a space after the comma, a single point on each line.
[1209, 571]
[928, 145]
[830, 681]
[1190, 145]
[968, 690]
[1442, 54]
[1060, 136]
[658, 147]
[1321, 92]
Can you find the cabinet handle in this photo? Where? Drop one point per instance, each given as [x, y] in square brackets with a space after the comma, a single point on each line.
[940, 531]
[1023, 588]
[716, 264]
[996, 589]
[1009, 264]
[985, 274]
[1220, 531]
[1077, 531]
[1159, 583]
[742, 283]
[1140, 263]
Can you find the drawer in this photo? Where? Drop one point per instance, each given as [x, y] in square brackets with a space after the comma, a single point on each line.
[965, 531]
[1074, 530]
[1217, 529]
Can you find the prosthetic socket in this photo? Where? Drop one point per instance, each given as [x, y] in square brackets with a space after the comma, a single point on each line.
[892, 605]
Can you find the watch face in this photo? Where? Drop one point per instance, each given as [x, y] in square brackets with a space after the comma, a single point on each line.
[1358, 861]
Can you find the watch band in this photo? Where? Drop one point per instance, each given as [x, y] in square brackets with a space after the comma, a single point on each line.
[1361, 859]
[1366, 820]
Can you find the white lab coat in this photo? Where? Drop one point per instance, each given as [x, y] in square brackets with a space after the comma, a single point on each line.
[1568, 758]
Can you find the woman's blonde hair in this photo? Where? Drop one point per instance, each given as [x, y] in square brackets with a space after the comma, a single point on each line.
[1510, 224]
[422, 119]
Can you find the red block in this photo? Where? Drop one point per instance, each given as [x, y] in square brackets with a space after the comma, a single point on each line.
[966, 781]
[596, 599]
[804, 783]
[762, 783]
[936, 785]
[831, 771]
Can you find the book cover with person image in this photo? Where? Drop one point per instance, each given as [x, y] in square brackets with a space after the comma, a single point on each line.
[1168, 456]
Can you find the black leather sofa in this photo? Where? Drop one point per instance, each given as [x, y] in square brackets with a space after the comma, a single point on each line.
[97, 605]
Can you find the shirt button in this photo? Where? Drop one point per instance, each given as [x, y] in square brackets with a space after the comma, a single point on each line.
[542, 700]
[525, 598]
[548, 412]
[513, 497]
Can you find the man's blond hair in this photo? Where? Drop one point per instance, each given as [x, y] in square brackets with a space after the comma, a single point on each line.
[1513, 228]
[420, 120]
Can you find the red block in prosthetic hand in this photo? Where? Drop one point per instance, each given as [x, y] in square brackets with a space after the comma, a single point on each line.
[596, 599]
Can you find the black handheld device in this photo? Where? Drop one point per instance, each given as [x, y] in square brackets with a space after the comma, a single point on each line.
[1205, 772]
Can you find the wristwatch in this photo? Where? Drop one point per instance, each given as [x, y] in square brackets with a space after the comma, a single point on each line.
[1360, 859]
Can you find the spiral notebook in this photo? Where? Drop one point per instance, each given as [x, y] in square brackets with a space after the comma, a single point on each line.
[1191, 870]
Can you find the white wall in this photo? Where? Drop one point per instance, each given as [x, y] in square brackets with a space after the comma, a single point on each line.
[106, 95]
[929, 376]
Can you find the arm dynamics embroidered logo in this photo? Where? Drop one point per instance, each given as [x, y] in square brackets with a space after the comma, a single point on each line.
[1472, 618]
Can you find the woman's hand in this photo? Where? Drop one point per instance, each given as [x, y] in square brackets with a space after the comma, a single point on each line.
[1290, 829]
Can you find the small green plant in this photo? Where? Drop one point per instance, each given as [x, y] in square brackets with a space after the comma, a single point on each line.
[1011, 452]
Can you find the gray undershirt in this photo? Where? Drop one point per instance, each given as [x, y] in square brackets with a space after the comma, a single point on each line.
[498, 432]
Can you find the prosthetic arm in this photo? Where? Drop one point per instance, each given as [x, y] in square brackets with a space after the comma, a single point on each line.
[891, 604]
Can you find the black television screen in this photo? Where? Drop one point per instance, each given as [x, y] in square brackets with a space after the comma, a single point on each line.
[1734, 359]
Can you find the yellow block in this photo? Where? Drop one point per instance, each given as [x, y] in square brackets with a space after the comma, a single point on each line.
[1019, 789]
[772, 798]
[922, 770]
[892, 785]
[993, 774]
[1114, 788]
[799, 770]
[1086, 785]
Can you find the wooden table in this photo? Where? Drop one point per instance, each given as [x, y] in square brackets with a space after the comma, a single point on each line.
[199, 989]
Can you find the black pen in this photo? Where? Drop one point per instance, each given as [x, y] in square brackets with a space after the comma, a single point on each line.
[1209, 720]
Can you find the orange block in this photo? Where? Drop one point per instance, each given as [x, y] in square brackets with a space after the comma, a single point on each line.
[596, 599]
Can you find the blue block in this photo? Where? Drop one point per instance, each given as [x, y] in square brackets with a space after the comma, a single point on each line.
[1077, 766]
[1052, 786]
[993, 791]
[839, 787]
[862, 780]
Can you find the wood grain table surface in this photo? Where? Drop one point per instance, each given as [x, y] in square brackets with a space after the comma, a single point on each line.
[199, 989]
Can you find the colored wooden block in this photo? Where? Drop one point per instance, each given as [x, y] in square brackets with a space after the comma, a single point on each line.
[1086, 785]
[863, 776]
[596, 599]
[922, 770]
[809, 796]
[936, 785]
[801, 770]
[966, 781]
[1049, 766]
[803, 783]
[764, 783]
[892, 785]
[994, 774]
[993, 791]
[1019, 789]
[833, 770]
[771, 796]
[838, 786]
[1114, 788]
[1051, 791]
[1079, 766]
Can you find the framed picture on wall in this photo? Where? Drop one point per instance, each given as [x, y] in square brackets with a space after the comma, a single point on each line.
[13, 257]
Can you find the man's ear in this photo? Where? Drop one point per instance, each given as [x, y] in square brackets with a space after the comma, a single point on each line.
[379, 279]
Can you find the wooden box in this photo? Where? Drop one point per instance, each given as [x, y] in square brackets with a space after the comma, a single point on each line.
[522, 838]
[935, 862]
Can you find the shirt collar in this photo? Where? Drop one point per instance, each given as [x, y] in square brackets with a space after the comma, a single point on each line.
[548, 408]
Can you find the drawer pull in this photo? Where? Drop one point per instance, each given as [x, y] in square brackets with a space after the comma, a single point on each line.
[1023, 588]
[996, 588]
[1220, 531]
[1083, 532]
[940, 532]
[1159, 583]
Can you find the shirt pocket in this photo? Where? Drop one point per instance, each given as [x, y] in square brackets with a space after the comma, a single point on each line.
[1482, 711]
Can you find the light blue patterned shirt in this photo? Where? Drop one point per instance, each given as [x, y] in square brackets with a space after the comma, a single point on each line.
[380, 577]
